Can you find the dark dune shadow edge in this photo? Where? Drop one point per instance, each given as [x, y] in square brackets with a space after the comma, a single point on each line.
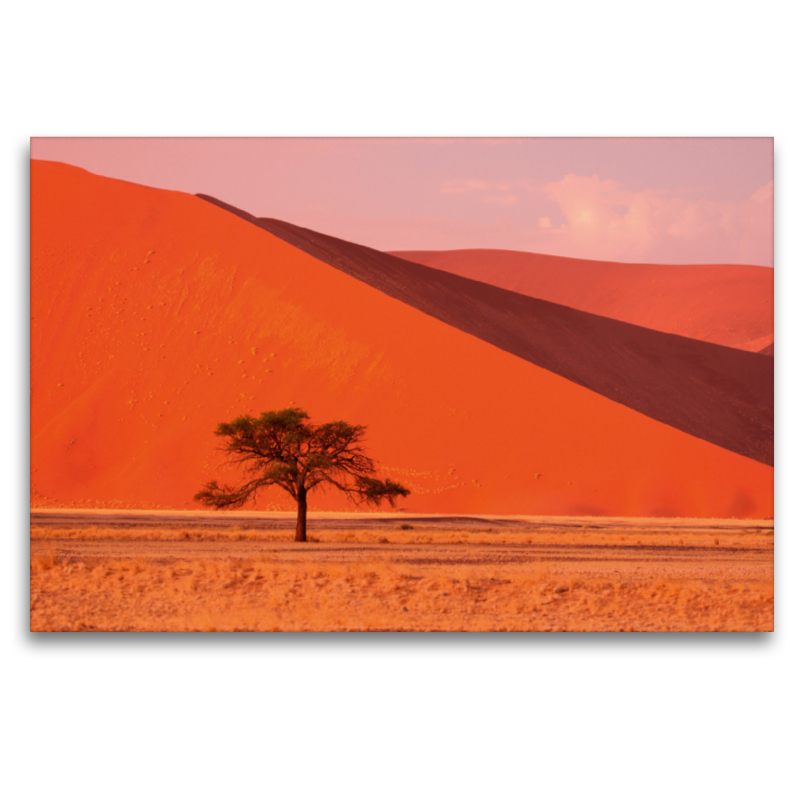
[716, 393]
[727, 304]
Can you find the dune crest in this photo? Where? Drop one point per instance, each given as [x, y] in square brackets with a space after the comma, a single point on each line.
[727, 304]
[719, 394]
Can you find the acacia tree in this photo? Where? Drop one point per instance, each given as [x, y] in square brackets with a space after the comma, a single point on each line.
[281, 448]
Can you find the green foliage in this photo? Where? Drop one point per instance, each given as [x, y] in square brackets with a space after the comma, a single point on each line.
[283, 448]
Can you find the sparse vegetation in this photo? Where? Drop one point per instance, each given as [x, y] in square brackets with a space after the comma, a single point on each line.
[281, 448]
[272, 592]
[511, 579]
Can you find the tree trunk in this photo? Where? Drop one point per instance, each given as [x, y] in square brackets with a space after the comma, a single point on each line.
[302, 508]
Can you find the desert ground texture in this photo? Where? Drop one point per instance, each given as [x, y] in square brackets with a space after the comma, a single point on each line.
[240, 571]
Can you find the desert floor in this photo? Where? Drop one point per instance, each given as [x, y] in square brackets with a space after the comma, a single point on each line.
[186, 571]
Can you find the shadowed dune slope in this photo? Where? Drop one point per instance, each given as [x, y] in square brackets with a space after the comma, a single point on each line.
[716, 393]
[728, 304]
[156, 315]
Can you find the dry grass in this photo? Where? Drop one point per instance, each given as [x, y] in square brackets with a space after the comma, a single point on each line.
[404, 534]
[305, 588]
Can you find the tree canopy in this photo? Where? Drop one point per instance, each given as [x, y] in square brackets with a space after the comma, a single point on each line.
[283, 448]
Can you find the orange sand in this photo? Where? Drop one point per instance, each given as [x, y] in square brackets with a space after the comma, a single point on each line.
[155, 315]
[720, 394]
[721, 303]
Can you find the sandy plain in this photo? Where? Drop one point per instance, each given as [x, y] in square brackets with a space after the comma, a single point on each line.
[184, 571]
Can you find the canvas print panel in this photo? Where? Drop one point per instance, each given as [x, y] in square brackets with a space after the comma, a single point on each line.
[401, 384]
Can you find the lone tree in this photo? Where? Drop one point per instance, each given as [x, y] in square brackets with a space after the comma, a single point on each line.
[282, 448]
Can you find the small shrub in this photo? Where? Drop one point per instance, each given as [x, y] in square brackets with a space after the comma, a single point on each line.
[406, 527]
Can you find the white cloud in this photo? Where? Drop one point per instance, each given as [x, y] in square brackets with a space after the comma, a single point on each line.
[604, 221]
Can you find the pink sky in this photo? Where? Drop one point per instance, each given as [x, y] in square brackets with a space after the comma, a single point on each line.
[671, 200]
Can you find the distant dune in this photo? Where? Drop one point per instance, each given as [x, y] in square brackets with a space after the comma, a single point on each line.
[725, 304]
[156, 315]
[719, 394]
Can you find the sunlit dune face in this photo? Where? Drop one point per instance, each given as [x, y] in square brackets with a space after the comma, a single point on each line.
[156, 315]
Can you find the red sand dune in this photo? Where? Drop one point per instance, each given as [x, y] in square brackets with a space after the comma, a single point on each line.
[155, 315]
[727, 304]
[717, 393]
